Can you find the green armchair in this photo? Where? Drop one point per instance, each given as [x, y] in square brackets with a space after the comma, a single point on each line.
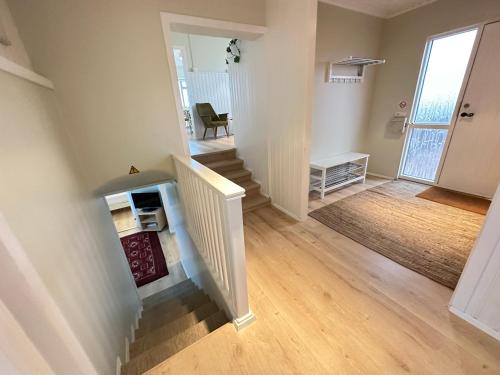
[211, 120]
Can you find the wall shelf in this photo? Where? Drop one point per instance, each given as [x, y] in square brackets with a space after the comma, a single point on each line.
[20, 71]
[349, 70]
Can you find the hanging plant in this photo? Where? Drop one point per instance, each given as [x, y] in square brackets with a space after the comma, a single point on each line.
[233, 51]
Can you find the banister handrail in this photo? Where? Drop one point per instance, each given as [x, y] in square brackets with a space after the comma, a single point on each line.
[224, 186]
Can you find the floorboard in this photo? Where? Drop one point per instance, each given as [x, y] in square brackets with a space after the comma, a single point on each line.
[327, 305]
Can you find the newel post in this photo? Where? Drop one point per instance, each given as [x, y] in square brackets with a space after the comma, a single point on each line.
[236, 251]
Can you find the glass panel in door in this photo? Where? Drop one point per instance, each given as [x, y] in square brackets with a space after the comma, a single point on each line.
[441, 78]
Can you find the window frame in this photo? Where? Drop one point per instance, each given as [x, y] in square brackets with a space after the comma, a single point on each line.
[423, 73]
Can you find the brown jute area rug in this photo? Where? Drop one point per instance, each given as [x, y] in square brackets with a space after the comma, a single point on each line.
[430, 238]
[456, 199]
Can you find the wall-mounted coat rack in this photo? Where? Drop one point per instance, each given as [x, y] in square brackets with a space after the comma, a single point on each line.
[349, 70]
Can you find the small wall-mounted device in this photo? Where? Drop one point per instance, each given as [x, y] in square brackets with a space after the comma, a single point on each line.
[400, 121]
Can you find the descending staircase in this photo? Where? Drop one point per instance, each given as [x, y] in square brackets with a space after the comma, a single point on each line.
[228, 165]
[172, 320]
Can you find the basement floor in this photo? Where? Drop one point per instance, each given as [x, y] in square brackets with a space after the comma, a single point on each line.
[125, 225]
[328, 305]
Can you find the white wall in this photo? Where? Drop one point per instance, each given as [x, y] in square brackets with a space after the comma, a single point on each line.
[341, 111]
[15, 52]
[204, 53]
[109, 64]
[272, 102]
[67, 234]
[476, 298]
[18, 355]
[403, 42]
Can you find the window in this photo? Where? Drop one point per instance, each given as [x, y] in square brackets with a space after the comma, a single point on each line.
[444, 70]
[181, 76]
[442, 74]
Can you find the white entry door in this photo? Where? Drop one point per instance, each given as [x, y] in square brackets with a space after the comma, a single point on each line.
[472, 162]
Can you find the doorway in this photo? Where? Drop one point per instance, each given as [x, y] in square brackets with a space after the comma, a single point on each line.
[142, 218]
[203, 80]
[439, 88]
[184, 60]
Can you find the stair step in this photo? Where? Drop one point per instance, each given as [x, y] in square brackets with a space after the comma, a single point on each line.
[175, 303]
[237, 176]
[162, 317]
[171, 292]
[251, 187]
[161, 352]
[215, 156]
[163, 299]
[225, 165]
[163, 333]
[254, 202]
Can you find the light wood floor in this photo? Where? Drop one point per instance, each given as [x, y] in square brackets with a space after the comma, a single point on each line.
[198, 146]
[327, 305]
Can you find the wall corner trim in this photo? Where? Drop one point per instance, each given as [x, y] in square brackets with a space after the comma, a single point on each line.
[244, 321]
[476, 323]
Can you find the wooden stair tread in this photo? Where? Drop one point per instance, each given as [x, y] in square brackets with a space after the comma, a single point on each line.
[249, 185]
[163, 333]
[237, 175]
[159, 300]
[161, 317]
[161, 352]
[225, 165]
[169, 292]
[174, 303]
[254, 202]
[215, 156]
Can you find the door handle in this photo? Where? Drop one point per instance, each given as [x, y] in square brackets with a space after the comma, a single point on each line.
[467, 114]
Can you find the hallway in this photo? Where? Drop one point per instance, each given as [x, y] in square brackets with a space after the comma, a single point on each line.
[325, 304]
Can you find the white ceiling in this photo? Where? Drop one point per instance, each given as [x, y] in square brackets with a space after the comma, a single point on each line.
[380, 8]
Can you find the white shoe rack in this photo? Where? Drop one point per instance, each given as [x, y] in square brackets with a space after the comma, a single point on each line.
[337, 171]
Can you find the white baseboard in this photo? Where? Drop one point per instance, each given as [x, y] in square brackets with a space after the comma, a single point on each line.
[285, 211]
[127, 350]
[244, 321]
[132, 332]
[138, 316]
[118, 365]
[380, 175]
[263, 193]
[133, 327]
[476, 323]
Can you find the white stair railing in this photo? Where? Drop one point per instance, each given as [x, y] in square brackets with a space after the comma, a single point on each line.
[213, 214]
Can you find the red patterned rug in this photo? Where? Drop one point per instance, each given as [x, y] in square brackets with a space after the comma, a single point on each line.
[145, 257]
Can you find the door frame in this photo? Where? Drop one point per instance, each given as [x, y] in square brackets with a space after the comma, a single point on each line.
[416, 96]
[171, 22]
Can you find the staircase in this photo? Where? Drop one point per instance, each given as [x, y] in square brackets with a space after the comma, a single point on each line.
[172, 320]
[228, 165]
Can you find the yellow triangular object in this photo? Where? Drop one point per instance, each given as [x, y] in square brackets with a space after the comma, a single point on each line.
[133, 170]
